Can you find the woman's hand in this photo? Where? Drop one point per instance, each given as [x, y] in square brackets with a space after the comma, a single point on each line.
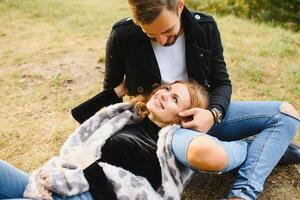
[201, 119]
[82, 157]
[121, 89]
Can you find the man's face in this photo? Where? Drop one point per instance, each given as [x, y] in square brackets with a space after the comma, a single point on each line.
[165, 29]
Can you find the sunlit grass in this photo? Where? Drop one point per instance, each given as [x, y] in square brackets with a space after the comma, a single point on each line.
[40, 30]
[263, 61]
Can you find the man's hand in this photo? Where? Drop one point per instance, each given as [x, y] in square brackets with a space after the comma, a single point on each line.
[201, 119]
[121, 89]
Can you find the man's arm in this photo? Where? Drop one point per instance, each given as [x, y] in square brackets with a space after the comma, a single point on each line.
[220, 85]
[219, 89]
[88, 108]
[114, 61]
[114, 75]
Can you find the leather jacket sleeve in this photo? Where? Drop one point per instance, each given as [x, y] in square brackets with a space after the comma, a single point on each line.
[220, 85]
[88, 108]
[114, 62]
[114, 75]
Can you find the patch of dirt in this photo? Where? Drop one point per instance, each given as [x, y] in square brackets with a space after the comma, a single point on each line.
[79, 69]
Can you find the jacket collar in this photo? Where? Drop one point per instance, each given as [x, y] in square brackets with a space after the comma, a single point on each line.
[194, 38]
[190, 25]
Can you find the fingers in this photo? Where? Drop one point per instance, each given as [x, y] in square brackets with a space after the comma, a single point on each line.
[188, 112]
[188, 124]
[188, 115]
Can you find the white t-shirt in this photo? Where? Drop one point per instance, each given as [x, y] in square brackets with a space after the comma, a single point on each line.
[171, 60]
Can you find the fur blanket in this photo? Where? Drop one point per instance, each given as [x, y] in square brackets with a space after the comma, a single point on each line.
[67, 179]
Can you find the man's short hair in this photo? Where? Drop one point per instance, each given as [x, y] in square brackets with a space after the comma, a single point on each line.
[146, 11]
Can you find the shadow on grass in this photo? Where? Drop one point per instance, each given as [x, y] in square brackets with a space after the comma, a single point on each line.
[283, 183]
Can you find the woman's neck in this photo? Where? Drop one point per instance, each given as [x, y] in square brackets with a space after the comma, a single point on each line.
[155, 121]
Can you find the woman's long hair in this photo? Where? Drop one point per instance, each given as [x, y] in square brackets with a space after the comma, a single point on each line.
[198, 95]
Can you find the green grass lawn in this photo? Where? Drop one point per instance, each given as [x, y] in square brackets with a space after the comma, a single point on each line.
[49, 52]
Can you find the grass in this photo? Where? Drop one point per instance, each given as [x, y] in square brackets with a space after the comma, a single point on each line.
[53, 27]
[263, 61]
[49, 63]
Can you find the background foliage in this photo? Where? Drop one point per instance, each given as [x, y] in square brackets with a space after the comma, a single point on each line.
[285, 13]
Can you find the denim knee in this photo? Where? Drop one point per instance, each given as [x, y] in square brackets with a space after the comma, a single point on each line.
[236, 153]
[180, 143]
[289, 110]
[289, 118]
[236, 150]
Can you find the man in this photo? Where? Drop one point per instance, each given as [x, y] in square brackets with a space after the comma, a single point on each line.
[165, 42]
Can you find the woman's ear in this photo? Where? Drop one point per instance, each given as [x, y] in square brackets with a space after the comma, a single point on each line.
[179, 119]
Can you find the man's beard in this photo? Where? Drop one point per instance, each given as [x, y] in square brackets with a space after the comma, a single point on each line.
[174, 38]
[171, 42]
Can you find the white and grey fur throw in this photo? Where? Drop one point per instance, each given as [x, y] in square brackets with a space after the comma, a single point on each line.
[67, 179]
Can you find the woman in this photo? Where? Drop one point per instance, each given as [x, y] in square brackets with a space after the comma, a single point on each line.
[133, 148]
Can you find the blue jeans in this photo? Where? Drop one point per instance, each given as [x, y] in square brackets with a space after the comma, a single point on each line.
[14, 181]
[236, 150]
[274, 131]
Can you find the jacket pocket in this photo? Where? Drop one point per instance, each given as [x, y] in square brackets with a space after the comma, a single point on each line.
[200, 65]
[204, 56]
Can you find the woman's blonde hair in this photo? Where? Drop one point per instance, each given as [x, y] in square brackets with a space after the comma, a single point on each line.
[198, 95]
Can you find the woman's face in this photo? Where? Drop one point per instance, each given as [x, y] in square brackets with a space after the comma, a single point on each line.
[167, 102]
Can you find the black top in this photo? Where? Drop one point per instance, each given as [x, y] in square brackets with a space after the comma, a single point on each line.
[133, 148]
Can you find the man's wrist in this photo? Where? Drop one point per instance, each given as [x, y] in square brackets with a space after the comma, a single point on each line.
[118, 92]
[213, 114]
[217, 114]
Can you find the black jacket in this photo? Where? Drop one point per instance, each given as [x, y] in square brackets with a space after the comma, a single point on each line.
[129, 53]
